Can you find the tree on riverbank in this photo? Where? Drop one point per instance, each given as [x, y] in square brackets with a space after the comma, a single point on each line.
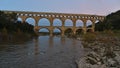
[10, 23]
[111, 22]
[11, 28]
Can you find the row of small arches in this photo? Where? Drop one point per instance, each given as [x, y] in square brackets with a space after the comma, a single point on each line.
[60, 16]
[57, 22]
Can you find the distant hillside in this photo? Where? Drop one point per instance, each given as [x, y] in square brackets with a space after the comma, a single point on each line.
[112, 22]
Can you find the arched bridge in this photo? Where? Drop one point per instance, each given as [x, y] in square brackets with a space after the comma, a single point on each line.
[62, 17]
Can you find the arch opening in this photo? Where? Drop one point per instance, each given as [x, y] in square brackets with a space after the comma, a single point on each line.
[19, 20]
[68, 22]
[44, 22]
[44, 31]
[89, 23]
[57, 22]
[68, 32]
[79, 23]
[89, 30]
[56, 31]
[79, 31]
[97, 21]
[30, 21]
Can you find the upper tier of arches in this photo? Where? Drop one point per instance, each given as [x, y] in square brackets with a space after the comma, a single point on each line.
[38, 15]
[57, 22]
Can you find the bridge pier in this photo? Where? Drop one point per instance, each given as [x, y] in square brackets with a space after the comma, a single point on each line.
[62, 33]
[93, 25]
[74, 32]
[51, 33]
[74, 26]
[23, 19]
[63, 27]
[84, 26]
[37, 20]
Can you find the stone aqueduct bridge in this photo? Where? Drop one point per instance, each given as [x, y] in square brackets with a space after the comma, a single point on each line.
[62, 16]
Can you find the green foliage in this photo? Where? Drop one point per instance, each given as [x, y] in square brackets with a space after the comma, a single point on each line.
[112, 22]
[8, 21]
[89, 37]
[4, 31]
[4, 34]
[7, 17]
[11, 29]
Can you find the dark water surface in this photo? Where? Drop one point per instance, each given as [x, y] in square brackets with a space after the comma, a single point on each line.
[42, 52]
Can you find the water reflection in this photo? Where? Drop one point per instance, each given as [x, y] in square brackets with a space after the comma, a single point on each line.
[51, 41]
[42, 52]
[62, 40]
[46, 43]
[36, 45]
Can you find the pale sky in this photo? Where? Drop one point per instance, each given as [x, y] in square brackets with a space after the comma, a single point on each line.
[98, 7]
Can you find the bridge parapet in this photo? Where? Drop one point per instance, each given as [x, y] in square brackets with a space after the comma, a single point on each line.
[57, 15]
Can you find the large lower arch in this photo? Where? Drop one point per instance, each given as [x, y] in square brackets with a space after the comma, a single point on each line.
[97, 21]
[68, 32]
[44, 31]
[89, 30]
[89, 23]
[57, 31]
[30, 21]
[79, 31]
[19, 19]
[57, 22]
[79, 23]
[68, 22]
[44, 22]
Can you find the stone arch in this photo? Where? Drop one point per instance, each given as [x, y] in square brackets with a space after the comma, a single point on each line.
[44, 22]
[97, 21]
[68, 31]
[44, 31]
[89, 23]
[89, 30]
[57, 31]
[19, 19]
[57, 22]
[68, 22]
[30, 21]
[79, 23]
[79, 31]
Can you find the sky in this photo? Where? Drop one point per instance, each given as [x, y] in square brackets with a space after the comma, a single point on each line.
[98, 7]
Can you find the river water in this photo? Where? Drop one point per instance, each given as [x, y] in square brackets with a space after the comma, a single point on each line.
[42, 52]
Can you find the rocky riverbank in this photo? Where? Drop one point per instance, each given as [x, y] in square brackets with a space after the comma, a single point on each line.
[104, 51]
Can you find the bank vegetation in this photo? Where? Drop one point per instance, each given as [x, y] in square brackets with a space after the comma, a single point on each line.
[12, 30]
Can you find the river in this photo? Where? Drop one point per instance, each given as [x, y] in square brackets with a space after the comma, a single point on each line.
[42, 52]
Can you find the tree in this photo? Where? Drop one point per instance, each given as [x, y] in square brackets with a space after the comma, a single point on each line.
[112, 22]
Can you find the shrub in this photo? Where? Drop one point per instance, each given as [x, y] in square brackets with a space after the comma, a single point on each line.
[89, 37]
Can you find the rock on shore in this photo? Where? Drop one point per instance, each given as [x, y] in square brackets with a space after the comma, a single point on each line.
[101, 55]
